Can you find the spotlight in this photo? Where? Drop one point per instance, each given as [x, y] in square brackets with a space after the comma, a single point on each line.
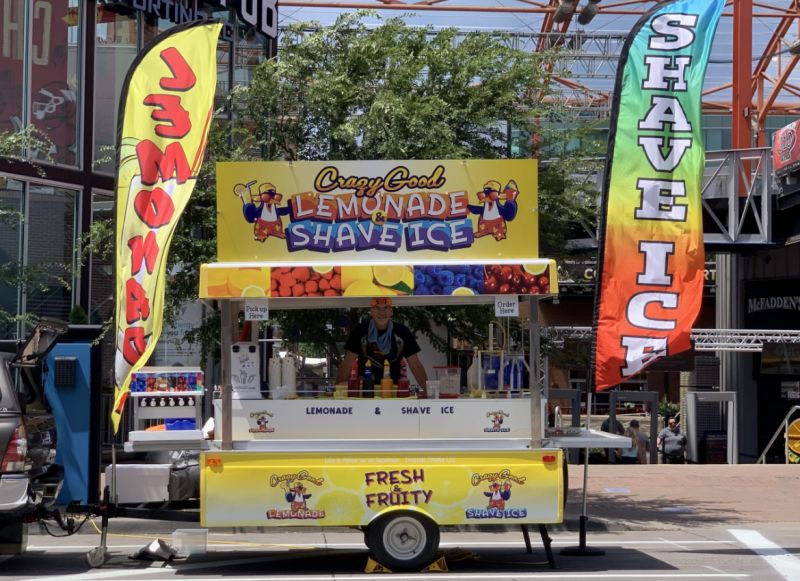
[564, 11]
[794, 48]
[588, 12]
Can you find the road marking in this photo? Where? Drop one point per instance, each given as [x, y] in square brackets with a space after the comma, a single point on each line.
[778, 558]
[220, 544]
[159, 569]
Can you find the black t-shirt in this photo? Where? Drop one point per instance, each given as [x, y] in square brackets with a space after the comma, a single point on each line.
[403, 345]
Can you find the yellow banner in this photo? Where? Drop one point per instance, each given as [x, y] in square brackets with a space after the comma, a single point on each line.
[395, 212]
[352, 489]
[167, 108]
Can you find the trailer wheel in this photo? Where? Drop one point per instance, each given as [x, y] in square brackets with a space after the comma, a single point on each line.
[403, 541]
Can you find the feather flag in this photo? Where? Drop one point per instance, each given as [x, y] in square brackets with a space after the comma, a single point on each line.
[651, 254]
[167, 105]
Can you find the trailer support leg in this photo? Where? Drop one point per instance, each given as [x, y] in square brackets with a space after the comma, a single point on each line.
[547, 542]
[527, 538]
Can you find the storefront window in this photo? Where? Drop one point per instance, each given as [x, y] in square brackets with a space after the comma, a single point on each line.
[51, 230]
[12, 50]
[115, 49]
[54, 86]
[100, 268]
[11, 212]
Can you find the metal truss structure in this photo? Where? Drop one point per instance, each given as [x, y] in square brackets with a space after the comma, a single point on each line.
[761, 80]
[741, 340]
[736, 198]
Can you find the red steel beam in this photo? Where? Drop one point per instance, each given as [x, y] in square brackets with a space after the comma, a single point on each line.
[742, 74]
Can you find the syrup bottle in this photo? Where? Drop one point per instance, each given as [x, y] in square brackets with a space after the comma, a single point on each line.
[386, 380]
[402, 383]
[353, 384]
[368, 383]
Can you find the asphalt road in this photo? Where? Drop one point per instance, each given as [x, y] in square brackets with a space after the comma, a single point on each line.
[758, 551]
[653, 522]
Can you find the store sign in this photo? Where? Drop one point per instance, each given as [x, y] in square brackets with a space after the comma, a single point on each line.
[260, 14]
[506, 306]
[379, 212]
[772, 304]
[256, 310]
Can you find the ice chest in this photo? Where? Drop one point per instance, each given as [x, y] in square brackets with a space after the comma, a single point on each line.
[141, 482]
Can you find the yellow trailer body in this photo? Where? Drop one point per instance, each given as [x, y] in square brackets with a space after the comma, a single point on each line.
[275, 489]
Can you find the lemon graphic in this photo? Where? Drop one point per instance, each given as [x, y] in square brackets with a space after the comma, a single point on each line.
[341, 507]
[352, 274]
[538, 268]
[463, 291]
[322, 269]
[390, 275]
[363, 288]
[253, 291]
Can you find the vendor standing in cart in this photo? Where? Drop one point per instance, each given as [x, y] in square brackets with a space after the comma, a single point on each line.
[381, 339]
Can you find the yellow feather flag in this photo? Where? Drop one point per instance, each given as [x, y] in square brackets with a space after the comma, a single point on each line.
[167, 106]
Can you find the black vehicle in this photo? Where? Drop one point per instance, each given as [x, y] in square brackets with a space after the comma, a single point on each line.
[29, 478]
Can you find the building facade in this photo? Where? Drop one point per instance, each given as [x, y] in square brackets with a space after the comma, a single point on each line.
[62, 67]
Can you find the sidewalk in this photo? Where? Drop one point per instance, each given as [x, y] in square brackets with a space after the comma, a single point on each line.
[669, 496]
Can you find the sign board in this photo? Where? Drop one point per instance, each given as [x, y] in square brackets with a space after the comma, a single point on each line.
[256, 310]
[370, 419]
[245, 379]
[378, 212]
[506, 306]
[273, 489]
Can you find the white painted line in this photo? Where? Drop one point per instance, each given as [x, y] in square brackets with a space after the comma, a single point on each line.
[776, 556]
[165, 571]
[221, 546]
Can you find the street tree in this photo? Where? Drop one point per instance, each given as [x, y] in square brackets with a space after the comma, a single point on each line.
[353, 91]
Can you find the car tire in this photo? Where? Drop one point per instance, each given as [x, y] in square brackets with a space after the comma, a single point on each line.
[13, 536]
[403, 540]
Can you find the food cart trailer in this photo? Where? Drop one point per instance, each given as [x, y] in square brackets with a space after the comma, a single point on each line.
[335, 234]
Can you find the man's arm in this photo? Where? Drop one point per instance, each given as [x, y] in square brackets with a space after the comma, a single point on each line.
[345, 366]
[418, 370]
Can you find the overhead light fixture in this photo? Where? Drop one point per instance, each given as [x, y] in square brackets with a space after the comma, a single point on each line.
[794, 48]
[565, 9]
[588, 12]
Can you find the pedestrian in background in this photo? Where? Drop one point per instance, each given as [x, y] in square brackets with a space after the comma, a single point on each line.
[672, 443]
[617, 430]
[630, 455]
[643, 448]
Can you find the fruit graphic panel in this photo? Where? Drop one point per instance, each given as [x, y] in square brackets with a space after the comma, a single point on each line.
[305, 281]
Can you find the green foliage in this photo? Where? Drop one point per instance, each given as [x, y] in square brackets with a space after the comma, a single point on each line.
[393, 92]
[78, 316]
[667, 408]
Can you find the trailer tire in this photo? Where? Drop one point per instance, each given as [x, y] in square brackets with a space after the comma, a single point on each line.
[403, 540]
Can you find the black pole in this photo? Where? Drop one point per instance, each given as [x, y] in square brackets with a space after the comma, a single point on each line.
[582, 550]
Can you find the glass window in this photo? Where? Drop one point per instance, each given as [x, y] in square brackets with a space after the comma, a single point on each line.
[51, 231]
[12, 51]
[114, 52]
[54, 55]
[11, 212]
[100, 268]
